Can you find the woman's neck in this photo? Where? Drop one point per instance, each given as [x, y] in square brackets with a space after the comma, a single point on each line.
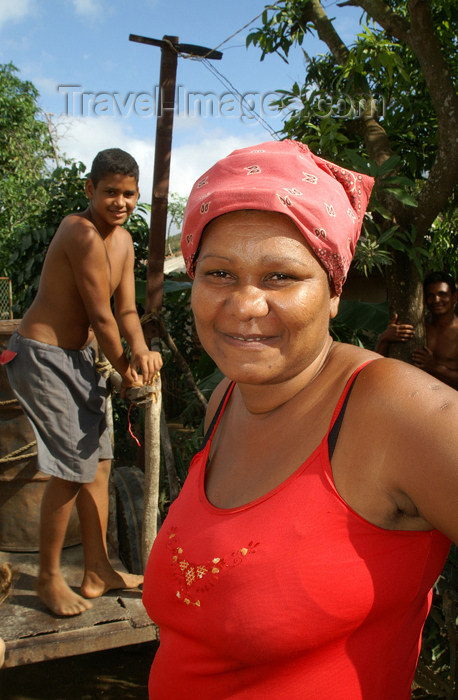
[265, 399]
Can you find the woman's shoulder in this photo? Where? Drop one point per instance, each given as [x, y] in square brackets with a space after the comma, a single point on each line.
[403, 405]
[400, 427]
[404, 382]
[387, 387]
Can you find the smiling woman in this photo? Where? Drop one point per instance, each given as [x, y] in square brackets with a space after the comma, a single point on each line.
[262, 307]
[299, 558]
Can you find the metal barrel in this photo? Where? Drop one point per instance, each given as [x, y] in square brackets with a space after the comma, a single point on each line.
[21, 485]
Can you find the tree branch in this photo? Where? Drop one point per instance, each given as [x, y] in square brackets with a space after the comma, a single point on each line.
[374, 135]
[327, 33]
[394, 25]
[419, 34]
[444, 173]
[184, 367]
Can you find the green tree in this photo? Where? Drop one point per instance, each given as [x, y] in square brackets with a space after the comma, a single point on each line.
[386, 105]
[63, 194]
[175, 207]
[25, 153]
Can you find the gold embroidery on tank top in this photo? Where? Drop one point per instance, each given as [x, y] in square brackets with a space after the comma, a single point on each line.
[194, 579]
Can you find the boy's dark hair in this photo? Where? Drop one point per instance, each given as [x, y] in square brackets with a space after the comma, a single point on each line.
[113, 160]
[434, 277]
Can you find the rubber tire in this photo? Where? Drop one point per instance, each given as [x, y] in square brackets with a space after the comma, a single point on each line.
[129, 487]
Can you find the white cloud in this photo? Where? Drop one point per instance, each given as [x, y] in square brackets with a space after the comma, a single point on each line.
[86, 7]
[191, 160]
[46, 86]
[81, 138]
[15, 11]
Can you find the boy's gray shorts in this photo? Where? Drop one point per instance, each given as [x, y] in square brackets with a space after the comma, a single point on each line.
[63, 395]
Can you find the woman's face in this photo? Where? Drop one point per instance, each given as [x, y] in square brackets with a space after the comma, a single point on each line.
[261, 300]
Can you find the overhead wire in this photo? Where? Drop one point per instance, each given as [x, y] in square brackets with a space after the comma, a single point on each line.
[227, 83]
[243, 101]
[242, 28]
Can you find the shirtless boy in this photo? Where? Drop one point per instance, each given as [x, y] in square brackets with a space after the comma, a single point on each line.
[89, 261]
[440, 356]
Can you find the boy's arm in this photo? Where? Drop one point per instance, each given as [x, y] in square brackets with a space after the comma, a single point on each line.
[142, 359]
[90, 266]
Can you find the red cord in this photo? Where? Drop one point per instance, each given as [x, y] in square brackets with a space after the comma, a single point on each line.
[130, 427]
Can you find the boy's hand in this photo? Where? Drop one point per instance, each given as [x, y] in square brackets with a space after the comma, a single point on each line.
[129, 380]
[144, 365]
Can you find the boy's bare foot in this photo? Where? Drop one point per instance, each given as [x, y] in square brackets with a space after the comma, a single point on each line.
[2, 652]
[56, 594]
[97, 583]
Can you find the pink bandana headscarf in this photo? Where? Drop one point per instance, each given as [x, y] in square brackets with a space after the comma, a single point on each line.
[326, 202]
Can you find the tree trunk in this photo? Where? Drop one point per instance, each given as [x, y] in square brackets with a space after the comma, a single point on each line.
[405, 298]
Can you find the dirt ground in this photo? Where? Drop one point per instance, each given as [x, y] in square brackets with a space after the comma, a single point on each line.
[115, 674]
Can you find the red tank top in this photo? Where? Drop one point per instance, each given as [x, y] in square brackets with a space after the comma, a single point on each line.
[292, 596]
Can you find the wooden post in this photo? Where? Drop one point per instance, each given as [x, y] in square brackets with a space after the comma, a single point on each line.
[158, 225]
[170, 48]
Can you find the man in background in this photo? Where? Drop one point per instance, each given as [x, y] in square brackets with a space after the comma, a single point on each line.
[440, 355]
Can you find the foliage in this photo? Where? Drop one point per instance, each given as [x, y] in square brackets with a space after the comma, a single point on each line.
[442, 241]
[25, 151]
[138, 228]
[175, 207]
[437, 671]
[359, 323]
[63, 194]
[378, 83]
[177, 317]
[174, 244]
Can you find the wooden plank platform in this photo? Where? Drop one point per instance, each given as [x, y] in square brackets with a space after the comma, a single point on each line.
[34, 634]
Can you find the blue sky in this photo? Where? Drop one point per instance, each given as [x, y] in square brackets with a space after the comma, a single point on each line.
[101, 88]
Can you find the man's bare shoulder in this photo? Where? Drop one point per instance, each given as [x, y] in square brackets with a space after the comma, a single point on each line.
[452, 324]
[76, 231]
[453, 329]
[75, 224]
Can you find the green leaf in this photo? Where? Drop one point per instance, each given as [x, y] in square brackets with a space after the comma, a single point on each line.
[402, 196]
[388, 165]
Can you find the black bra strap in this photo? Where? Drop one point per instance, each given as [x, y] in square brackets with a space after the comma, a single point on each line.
[211, 427]
[334, 432]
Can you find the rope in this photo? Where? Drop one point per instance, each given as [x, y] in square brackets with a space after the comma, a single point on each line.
[151, 316]
[171, 46]
[9, 402]
[16, 455]
[104, 368]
